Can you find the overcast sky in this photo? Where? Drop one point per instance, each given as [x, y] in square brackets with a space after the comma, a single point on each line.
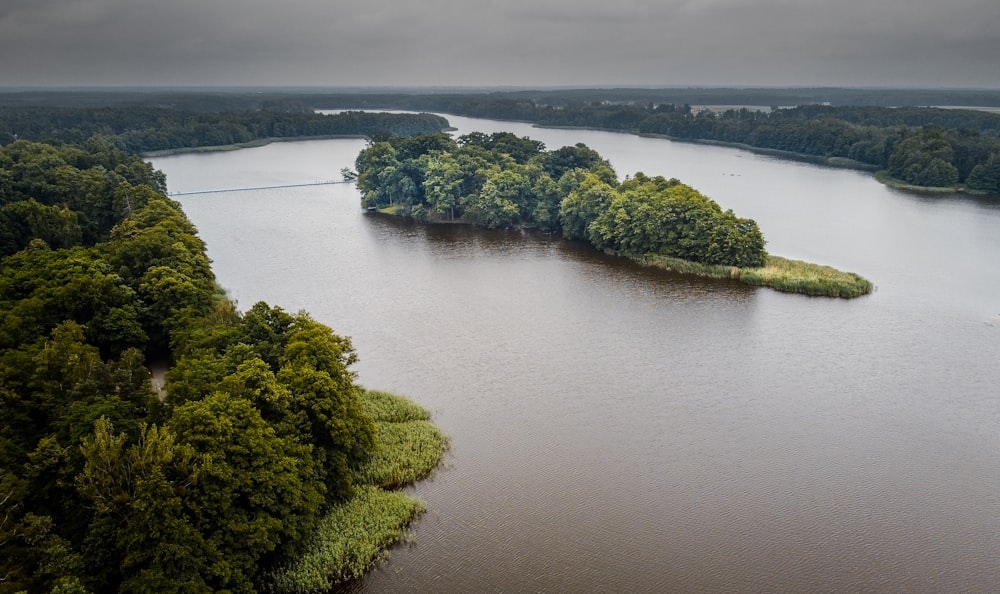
[914, 43]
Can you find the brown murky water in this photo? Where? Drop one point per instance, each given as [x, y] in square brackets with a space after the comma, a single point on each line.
[617, 429]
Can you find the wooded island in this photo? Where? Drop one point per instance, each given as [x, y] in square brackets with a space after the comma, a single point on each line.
[501, 180]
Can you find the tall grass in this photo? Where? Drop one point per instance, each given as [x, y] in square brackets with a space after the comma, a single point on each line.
[407, 452]
[686, 266]
[410, 447]
[387, 407]
[796, 276]
[356, 534]
[781, 274]
[349, 540]
[884, 177]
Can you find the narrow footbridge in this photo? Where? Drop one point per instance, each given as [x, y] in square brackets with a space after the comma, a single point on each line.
[220, 190]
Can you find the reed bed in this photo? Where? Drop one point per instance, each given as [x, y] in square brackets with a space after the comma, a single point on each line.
[686, 266]
[410, 447]
[387, 407]
[356, 534]
[781, 274]
[892, 182]
[796, 276]
[407, 452]
[349, 540]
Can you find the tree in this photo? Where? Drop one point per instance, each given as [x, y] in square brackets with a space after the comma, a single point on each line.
[666, 217]
[255, 490]
[583, 205]
[500, 202]
[139, 492]
[314, 368]
[557, 162]
[443, 180]
[520, 149]
[547, 200]
[985, 177]
[924, 159]
[26, 220]
[370, 163]
[414, 146]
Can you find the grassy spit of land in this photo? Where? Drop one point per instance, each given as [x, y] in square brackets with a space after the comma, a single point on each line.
[884, 178]
[355, 535]
[781, 274]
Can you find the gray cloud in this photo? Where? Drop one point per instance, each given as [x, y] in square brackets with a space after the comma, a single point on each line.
[511, 42]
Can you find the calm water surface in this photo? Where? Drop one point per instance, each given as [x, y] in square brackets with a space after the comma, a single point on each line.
[621, 429]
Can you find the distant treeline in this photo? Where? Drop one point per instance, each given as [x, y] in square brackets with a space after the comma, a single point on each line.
[249, 99]
[140, 128]
[929, 147]
[866, 128]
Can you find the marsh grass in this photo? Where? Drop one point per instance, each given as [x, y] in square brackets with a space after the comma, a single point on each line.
[781, 274]
[410, 447]
[394, 210]
[407, 452]
[387, 407]
[892, 182]
[356, 534]
[796, 276]
[686, 266]
[351, 538]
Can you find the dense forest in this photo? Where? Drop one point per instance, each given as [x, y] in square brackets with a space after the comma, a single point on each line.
[501, 180]
[147, 128]
[876, 129]
[217, 482]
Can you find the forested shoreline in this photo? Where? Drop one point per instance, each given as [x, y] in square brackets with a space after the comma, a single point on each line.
[896, 132]
[501, 180]
[139, 129]
[262, 450]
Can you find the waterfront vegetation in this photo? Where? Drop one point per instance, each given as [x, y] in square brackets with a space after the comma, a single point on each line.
[500, 180]
[348, 541]
[781, 274]
[887, 179]
[354, 535]
[409, 445]
[796, 276]
[386, 407]
[261, 435]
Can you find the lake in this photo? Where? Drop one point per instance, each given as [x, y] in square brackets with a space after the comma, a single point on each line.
[616, 428]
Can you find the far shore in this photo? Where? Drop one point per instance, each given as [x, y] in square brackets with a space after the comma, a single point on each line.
[881, 176]
[838, 162]
[242, 145]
